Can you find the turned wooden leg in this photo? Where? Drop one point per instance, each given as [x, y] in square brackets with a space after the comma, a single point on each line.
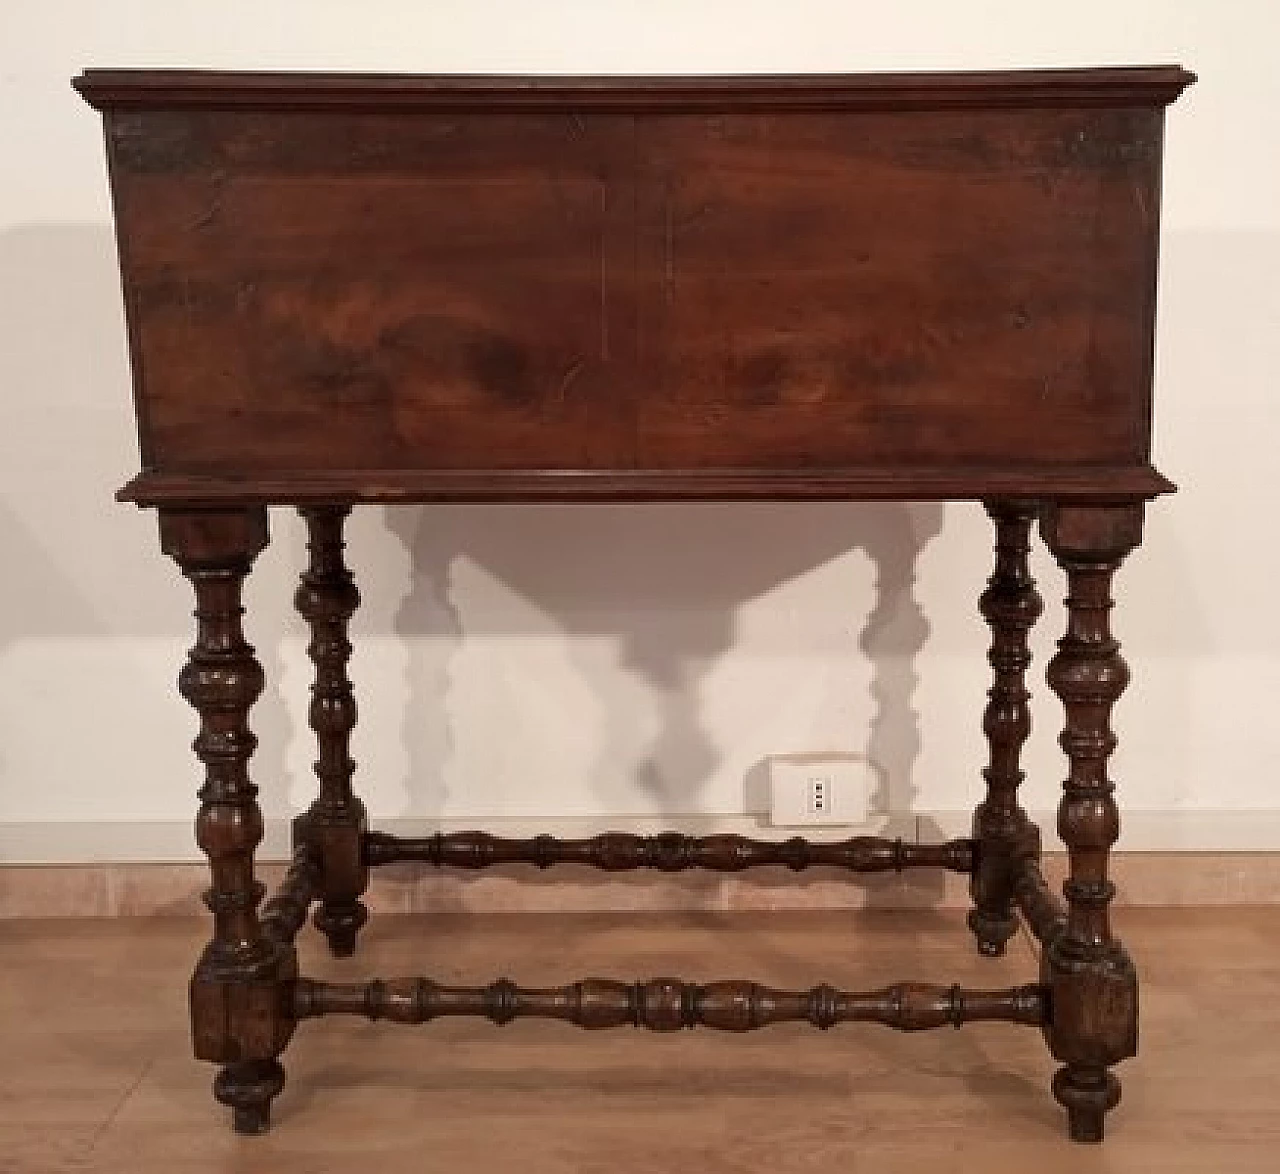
[241, 992]
[335, 824]
[1093, 990]
[1001, 830]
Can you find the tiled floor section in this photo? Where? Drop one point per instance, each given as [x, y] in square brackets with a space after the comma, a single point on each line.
[97, 1076]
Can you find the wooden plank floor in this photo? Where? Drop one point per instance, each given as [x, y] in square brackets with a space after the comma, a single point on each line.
[96, 1074]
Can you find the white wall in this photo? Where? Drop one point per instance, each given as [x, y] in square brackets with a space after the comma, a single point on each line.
[615, 662]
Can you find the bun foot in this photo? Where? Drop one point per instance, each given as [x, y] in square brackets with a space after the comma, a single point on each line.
[248, 1088]
[340, 924]
[1086, 1094]
[992, 933]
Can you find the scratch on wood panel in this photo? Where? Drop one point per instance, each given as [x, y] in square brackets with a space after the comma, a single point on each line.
[244, 294]
[186, 300]
[1140, 198]
[572, 373]
[604, 271]
[212, 212]
[668, 248]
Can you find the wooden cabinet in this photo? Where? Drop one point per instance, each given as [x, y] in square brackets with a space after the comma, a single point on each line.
[345, 289]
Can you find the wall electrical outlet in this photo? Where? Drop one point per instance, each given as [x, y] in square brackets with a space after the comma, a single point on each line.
[807, 789]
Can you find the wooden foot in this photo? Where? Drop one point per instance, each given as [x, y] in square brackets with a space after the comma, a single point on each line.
[1002, 832]
[1086, 1093]
[335, 824]
[241, 992]
[992, 933]
[248, 1088]
[340, 923]
[1093, 990]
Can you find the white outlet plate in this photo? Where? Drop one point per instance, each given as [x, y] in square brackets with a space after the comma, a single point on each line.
[806, 790]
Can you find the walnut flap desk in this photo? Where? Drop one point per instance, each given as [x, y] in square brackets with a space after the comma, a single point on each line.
[347, 289]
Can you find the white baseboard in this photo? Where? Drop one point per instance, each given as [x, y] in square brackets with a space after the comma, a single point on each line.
[173, 842]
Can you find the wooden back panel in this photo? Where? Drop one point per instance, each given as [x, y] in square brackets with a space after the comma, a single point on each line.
[374, 276]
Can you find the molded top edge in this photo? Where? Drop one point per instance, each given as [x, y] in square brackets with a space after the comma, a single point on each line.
[108, 89]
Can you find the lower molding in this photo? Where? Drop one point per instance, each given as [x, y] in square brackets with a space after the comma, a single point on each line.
[148, 890]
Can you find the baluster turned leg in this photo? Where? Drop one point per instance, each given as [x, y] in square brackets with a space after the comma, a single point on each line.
[335, 824]
[241, 992]
[1001, 829]
[1093, 987]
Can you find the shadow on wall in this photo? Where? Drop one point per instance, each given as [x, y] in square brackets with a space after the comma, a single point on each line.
[664, 581]
[82, 570]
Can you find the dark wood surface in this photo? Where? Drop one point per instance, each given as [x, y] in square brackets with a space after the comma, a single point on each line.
[332, 828]
[668, 852]
[1010, 605]
[1092, 982]
[1144, 85]
[501, 288]
[240, 1013]
[669, 1004]
[346, 289]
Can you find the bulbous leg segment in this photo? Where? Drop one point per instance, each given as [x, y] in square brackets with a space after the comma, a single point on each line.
[1001, 829]
[335, 825]
[1093, 989]
[241, 991]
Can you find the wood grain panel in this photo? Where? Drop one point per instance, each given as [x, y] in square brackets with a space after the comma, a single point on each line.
[898, 288]
[364, 293]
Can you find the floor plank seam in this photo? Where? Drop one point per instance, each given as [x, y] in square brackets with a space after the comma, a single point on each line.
[118, 1106]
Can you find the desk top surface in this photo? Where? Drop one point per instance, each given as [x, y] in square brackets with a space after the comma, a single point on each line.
[369, 287]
